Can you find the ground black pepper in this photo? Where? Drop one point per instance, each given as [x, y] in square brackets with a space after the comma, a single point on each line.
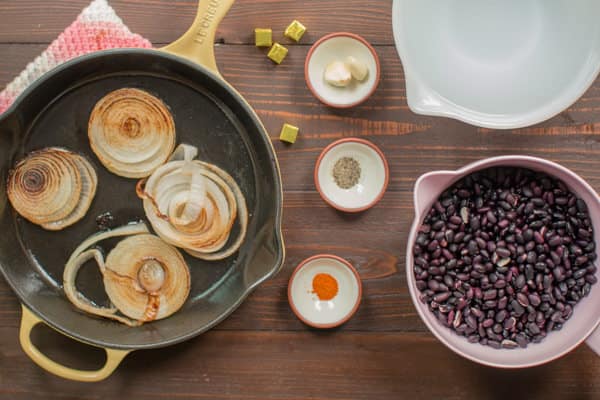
[346, 172]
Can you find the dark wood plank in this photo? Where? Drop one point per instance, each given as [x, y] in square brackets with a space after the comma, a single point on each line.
[27, 21]
[305, 365]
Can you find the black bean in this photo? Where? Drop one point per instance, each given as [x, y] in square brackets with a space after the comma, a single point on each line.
[455, 219]
[502, 252]
[490, 304]
[502, 302]
[465, 194]
[510, 323]
[522, 299]
[471, 321]
[521, 279]
[555, 241]
[556, 316]
[540, 266]
[500, 283]
[440, 297]
[433, 245]
[559, 273]
[491, 217]
[501, 315]
[473, 338]
[583, 233]
[534, 299]
[509, 344]
[581, 206]
[561, 201]
[481, 243]
[433, 285]
[517, 308]
[448, 280]
[522, 340]
[533, 328]
[493, 344]
[547, 283]
[538, 202]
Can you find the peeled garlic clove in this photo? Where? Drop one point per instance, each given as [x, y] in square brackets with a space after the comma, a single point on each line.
[358, 69]
[338, 74]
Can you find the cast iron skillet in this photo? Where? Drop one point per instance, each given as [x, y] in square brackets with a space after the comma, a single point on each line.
[208, 113]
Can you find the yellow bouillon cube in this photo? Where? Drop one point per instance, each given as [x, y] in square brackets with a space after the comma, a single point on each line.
[289, 133]
[295, 30]
[263, 37]
[277, 53]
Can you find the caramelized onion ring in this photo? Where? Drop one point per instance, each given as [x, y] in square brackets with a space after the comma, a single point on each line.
[145, 278]
[131, 132]
[53, 187]
[193, 205]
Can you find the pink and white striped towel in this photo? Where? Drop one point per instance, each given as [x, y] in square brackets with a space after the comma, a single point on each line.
[97, 28]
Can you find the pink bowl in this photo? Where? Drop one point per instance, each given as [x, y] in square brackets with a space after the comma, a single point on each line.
[586, 315]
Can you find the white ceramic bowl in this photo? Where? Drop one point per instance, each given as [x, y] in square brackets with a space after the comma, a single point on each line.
[318, 313]
[497, 64]
[337, 47]
[374, 176]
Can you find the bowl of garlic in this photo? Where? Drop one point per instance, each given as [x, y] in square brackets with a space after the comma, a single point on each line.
[342, 70]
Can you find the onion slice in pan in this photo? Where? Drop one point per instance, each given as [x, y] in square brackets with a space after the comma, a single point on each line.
[193, 205]
[145, 278]
[52, 187]
[131, 132]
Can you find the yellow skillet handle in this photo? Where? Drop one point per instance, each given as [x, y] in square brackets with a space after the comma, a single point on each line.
[113, 357]
[197, 44]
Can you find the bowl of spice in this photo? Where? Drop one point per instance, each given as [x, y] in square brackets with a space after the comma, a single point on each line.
[351, 174]
[324, 291]
[502, 260]
[342, 70]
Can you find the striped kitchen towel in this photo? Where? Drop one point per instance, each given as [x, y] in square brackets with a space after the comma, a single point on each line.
[98, 27]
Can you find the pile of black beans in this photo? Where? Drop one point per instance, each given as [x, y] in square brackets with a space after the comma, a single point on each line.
[504, 256]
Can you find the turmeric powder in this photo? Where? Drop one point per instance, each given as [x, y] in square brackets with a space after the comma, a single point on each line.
[325, 286]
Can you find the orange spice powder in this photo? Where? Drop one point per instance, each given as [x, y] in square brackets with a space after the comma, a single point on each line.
[325, 286]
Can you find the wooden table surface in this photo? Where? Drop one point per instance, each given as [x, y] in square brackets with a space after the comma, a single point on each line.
[262, 351]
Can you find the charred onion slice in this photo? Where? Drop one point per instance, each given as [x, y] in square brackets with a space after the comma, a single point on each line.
[80, 256]
[53, 187]
[146, 278]
[131, 132]
[193, 205]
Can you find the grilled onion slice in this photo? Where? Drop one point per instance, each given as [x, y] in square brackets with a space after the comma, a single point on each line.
[193, 205]
[131, 132]
[53, 187]
[145, 278]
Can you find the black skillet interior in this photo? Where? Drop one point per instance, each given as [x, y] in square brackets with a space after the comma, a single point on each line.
[209, 115]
